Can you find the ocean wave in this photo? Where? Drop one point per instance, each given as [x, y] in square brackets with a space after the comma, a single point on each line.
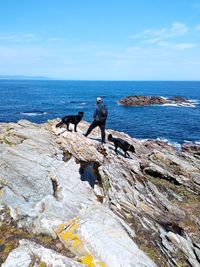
[169, 142]
[195, 101]
[33, 113]
[185, 105]
[191, 142]
[165, 140]
[190, 104]
[73, 102]
[169, 104]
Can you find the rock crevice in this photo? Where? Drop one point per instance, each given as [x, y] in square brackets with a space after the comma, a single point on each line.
[106, 209]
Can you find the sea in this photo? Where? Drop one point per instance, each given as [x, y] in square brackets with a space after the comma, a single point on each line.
[42, 100]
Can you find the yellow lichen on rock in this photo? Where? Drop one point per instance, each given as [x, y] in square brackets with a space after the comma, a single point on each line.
[89, 261]
[69, 235]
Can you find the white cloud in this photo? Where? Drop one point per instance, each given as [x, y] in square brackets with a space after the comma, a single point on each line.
[177, 46]
[21, 37]
[105, 61]
[183, 46]
[177, 29]
[155, 35]
[166, 37]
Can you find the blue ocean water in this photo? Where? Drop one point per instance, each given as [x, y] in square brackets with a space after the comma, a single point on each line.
[40, 100]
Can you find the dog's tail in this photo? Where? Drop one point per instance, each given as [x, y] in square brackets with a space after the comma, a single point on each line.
[60, 124]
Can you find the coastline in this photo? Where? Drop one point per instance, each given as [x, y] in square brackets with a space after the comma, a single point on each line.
[46, 188]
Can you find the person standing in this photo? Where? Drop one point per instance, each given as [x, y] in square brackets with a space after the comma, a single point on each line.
[100, 116]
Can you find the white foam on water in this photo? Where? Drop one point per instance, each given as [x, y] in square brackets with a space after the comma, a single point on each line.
[165, 140]
[171, 143]
[195, 101]
[34, 113]
[192, 142]
[184, 105]
[169, 104]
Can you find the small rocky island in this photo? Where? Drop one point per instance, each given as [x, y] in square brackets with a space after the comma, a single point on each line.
[153, 100]
[66, 200]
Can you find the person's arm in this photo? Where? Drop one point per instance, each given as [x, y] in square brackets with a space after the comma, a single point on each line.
[95, 113]
[106, 112]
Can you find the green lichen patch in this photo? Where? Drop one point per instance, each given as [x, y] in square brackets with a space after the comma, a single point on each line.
[9, 240]
[146, 241]
[105, 183]
[185, 200]
[150, 243]
[5, 140]
[178, 194]
[66, 155]
[42, 264]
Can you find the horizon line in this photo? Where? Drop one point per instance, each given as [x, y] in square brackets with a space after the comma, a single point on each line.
[45, 78]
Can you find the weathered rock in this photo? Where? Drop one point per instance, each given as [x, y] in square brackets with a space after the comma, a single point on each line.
[31, 254]
[193, 149]
[152, 100]
[106, 209]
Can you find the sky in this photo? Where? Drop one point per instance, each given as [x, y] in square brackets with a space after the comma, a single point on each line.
[101, 39]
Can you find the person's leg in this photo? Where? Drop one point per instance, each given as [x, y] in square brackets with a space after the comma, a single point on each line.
[91, 127]
[102, 127]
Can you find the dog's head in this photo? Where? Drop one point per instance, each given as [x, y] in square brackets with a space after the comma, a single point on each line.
[80, 113]
[110, 137]
[132, 149]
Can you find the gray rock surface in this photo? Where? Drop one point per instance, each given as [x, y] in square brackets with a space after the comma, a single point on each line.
[92, 206]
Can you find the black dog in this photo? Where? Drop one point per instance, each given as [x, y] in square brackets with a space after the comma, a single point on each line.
[74, 119]
[124, 145]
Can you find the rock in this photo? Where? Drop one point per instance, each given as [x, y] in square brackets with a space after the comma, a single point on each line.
[179, 99]
[185, 246]
[31, 254]
[152, 100]
[107, 210]
[192, 149]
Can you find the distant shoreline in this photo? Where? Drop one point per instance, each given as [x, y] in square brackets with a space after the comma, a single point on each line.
[23, 77]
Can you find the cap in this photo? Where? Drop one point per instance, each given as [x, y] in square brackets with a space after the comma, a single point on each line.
[99, 100]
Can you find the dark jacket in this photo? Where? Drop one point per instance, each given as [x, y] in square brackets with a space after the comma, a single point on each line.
[98, 116]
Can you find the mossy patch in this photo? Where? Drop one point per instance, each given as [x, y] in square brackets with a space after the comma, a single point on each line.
[42, 264]
[146, 241]
[11, 236]
[185, 200]
[105, 183]
[189, 201]
[150, 242]
[6, 141]
[66, 155]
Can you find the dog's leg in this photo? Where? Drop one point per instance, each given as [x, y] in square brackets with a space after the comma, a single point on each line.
[116, 149]
[75, 125]
[67, 126]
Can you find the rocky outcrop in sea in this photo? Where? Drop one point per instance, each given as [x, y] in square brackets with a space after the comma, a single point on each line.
[66, 200]
[154, 100]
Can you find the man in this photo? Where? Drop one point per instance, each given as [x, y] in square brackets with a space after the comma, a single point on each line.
[100, 116]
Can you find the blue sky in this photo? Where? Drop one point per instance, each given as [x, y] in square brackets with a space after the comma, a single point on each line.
[101, 39]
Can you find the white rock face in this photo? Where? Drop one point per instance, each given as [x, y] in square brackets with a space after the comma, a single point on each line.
[125, 207]
[30, 254]
[106, 233]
